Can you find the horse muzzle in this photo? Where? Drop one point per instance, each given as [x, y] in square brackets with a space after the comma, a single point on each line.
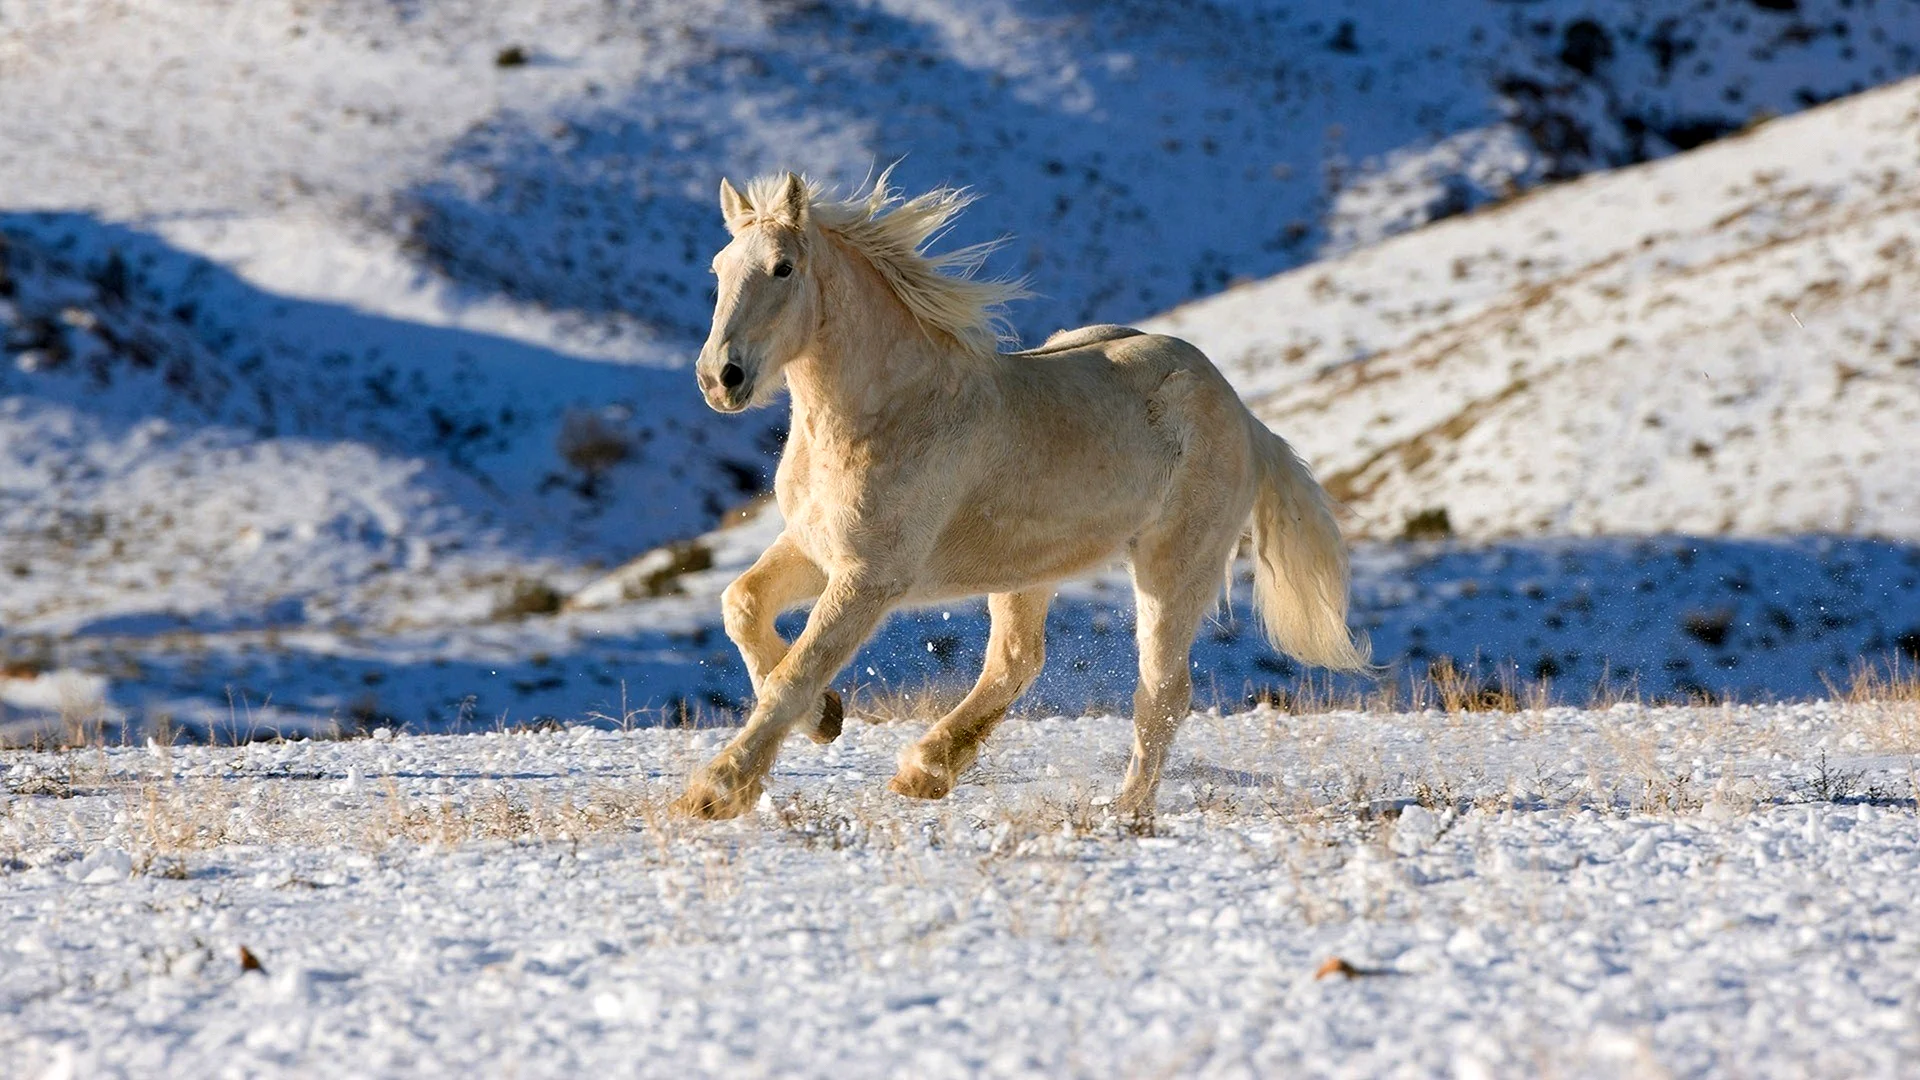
[727, 387]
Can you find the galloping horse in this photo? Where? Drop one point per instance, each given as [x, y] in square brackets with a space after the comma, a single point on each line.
[923, 465]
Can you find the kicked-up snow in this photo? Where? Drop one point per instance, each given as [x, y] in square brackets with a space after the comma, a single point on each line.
[1620, 892]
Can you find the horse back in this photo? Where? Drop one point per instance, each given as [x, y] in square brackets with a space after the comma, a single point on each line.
[1062, 340]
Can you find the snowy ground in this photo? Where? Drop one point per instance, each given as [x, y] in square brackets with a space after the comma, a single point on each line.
[1628, 892]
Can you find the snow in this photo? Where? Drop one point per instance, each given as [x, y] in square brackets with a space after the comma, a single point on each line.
[1718, 343]
[343, 392]
[1627, 891]
[372, 122]
[305, 304]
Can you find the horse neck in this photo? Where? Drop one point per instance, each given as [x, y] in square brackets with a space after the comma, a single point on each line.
[870, 358]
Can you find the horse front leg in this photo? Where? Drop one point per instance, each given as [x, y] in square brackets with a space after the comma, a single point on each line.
[780, 578]
[846, 614]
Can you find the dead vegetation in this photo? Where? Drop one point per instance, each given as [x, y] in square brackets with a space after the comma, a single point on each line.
[653, 574]
[592, 444]
[505, 815]
[1302, 771]
[524, 597]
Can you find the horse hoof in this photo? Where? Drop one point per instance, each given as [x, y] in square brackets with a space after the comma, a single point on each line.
[833, 715]
[917, 783]
[1135, 808]
[710, 805]
[710, 801]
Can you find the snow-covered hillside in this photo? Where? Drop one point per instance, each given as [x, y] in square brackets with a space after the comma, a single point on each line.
[1724, 342]
[1143, 152]
[343, 353]
[175, 440]
[1629, 892]
[342, 341]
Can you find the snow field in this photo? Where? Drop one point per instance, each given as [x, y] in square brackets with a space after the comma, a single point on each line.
[1622, 892]
[306, 308]
[1715, 343]
[303, 303]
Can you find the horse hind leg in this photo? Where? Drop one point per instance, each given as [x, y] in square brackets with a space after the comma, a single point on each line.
[1016, 651]
[1177, 565]
[780, 578]
[1169, 614]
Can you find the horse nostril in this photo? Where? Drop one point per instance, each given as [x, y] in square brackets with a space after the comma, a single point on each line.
[732, 376]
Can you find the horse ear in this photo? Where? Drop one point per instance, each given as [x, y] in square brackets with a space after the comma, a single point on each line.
[734, 208]
[792, 201]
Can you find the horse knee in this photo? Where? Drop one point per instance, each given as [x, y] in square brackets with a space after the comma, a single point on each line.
[739, 609]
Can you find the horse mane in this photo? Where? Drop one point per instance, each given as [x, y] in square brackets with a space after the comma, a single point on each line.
[891, 232]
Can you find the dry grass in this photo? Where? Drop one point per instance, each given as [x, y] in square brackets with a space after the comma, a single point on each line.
[679, 713]
[524, 597]
[163, 819]
[1449, 685]
[534, 817]
[1326, 780]
[1893, 682]
[592, 443]
[1458, 690]
[1455, 686]
[1884, 701]
[923, 704]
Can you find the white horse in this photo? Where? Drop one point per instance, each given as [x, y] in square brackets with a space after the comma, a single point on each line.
[923, 465]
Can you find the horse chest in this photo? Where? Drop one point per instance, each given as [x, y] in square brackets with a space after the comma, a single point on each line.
[814, 490]
[807, 517]
[843, 500]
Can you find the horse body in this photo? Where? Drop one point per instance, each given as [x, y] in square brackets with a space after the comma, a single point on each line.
[921, 465]
[1019, 493]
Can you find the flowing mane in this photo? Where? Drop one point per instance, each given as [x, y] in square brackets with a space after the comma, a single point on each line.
[890, 231]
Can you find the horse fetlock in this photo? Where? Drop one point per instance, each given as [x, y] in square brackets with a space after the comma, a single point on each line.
[917, 783]
[1137, 798]
[1141, 790]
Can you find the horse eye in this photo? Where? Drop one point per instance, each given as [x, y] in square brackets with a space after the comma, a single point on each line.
[783, 269]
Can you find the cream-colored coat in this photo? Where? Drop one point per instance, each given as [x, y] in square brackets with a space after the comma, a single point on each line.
[922, 465]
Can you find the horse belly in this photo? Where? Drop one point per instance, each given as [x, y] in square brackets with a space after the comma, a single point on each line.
[989, 549]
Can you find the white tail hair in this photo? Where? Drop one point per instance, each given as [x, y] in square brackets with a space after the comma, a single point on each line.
[1300, 563]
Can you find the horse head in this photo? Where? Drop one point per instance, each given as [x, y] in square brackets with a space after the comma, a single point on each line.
[766, 305]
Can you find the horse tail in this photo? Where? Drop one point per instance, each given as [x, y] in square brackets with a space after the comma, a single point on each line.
[1300, 564]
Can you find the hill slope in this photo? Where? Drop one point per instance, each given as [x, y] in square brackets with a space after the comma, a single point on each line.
[1718, 343]
[339, 339]
[1144, 152]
